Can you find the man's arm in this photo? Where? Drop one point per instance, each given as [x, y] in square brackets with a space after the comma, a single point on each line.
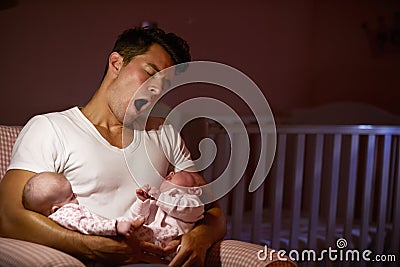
[19, 223]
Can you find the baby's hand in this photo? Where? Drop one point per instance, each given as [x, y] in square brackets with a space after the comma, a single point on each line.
[127, 227]
[142, 194]
[124, 228]
[154, 192]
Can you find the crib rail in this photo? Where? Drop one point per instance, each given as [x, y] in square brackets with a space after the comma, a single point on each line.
[326, 182]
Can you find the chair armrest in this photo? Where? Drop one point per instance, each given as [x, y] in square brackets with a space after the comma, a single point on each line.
[18, 253]
[229, 253]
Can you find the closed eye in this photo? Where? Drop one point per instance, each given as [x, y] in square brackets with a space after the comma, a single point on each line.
[150, 70]
[150, 74]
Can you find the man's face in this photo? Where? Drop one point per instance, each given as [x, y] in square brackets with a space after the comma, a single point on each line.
[128, 95]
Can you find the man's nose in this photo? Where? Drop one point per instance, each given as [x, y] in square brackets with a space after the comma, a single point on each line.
[155, 89]
[158, 84]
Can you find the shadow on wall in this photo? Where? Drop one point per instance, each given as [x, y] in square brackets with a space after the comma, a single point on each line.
[6, 4]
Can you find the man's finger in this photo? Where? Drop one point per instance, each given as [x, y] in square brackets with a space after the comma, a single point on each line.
[148, 258]
[172, 246]
[180, 258]
[152, 249]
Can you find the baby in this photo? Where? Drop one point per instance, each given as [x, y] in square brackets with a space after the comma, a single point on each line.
[173, 209]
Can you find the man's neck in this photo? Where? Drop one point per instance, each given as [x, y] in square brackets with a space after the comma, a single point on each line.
[100, 115]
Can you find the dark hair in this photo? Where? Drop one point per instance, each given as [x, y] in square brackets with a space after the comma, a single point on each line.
[136, 41]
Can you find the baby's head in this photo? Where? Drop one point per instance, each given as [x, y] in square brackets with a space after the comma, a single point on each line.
[46, 192]
[181, 179]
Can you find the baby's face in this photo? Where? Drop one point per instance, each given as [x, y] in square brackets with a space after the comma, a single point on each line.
[172, 180]
[66, 195]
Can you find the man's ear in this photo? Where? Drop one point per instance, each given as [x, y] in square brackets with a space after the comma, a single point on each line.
[115, 63]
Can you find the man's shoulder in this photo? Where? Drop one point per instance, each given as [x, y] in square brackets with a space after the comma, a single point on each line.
[60, 117]
[71, 112]
[50, 122]
[55, 115]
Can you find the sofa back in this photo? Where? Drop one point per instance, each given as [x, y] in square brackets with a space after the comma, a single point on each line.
[8, 135]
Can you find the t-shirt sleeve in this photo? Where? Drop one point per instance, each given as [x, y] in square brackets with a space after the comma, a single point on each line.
[177, 153]
[37, 148]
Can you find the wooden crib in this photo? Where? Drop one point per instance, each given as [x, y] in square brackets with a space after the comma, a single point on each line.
[326, 182]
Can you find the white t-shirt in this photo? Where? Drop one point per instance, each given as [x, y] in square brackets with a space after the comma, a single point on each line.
[68, 143]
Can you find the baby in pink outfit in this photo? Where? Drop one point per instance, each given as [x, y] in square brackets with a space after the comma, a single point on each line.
[172, 210]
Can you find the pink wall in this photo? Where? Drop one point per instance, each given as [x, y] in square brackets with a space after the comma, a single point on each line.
[300, 53]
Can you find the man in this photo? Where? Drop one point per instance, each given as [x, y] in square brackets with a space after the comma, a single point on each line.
[86, 146]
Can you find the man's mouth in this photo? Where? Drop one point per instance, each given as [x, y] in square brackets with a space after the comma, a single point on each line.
[139, 103]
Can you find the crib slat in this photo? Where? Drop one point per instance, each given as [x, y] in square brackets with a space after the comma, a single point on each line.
[396, 207]
[383, 194]
[392, 177]
[219, 165]
[366, 199]
[297, 191]
[334, 187]
[278, 192]
[351, 192]
[257, 209]
[258, 199]
[315, 196]
[237, 209]
[208, 172]
[238, 192]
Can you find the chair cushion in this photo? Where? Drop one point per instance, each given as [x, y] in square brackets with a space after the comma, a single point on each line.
[18, 253]
[8, 135]
[229, 253]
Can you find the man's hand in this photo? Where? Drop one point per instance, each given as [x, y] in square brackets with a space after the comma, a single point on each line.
[126, 250]
[121, 251]
[192, 251]
[150, 253]
[194, 245]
